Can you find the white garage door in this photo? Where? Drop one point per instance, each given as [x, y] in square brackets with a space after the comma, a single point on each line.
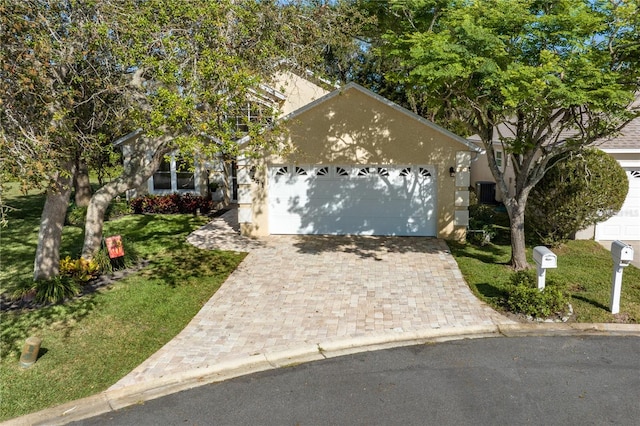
[358, 200]
[626, 224]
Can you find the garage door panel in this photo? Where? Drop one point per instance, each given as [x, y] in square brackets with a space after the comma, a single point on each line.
[380, 203]
[626, 224]
[341, 225]
[298, 206]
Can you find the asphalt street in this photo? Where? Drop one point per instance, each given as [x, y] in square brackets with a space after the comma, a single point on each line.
[493, 381]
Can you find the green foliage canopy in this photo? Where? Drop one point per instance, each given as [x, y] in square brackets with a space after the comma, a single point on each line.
[534, 78]
[75, 75]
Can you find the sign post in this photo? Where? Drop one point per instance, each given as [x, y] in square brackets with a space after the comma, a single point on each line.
[622, 255]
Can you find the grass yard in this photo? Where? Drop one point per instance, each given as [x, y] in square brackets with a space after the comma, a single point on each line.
[584, 266]
[92, 342]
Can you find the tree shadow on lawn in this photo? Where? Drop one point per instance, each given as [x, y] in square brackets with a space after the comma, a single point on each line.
[489, 253]
[18, 325]
[490, 291]
[189, 262]
[154, 232]
[590, 302]
[20, 237]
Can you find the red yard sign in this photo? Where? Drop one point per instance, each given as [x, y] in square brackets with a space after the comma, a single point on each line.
[114, 245]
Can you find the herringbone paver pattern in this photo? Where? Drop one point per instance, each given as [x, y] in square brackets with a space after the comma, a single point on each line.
[300, 290]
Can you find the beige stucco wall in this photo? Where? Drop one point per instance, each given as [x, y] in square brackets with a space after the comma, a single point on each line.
[355, 128]
[297, 90]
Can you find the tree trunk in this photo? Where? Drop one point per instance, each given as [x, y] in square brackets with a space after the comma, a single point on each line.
[95, 219]
[81, 184]
[137, 169]
[518, 246]
[47, 261]
[515, 203]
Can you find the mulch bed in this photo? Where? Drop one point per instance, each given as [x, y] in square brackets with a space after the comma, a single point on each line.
[7, 303]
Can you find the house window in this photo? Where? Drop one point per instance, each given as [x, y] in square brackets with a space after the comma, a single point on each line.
[185, 179]
[300, 171]
[382, 171]
[249, 114]
[282, 171]
[162, 178]
[341, 172]
[499, 159]
[174, 174]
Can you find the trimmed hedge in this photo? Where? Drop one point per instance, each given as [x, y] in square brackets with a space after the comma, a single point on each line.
[171, 204]
[583, 189]
[524, 297]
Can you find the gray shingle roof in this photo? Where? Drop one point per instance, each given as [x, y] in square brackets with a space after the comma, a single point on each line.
[628, 138]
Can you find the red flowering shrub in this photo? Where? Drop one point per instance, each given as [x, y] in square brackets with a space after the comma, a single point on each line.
[171, 204]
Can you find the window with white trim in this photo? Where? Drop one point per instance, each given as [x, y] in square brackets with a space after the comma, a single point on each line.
[250, 113]
[185, 178]
[499, 159]
[162, 178]
[174, 174]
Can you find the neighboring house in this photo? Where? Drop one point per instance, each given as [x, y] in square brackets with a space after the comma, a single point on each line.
[359, 165]
[624, 147]
[625, 225]
[482, 181]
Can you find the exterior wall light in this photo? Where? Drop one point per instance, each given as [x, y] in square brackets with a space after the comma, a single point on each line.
[452, 172]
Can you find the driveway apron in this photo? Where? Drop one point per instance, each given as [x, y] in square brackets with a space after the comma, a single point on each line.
[298, 290]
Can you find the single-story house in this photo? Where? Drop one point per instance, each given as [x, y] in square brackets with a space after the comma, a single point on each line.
[624, 147]
[359, 164]
[355, 163]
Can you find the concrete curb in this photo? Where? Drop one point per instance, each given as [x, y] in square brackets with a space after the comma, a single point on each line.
[112, 400]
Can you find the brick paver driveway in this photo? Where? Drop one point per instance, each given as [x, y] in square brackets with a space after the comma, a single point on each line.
[299, 290]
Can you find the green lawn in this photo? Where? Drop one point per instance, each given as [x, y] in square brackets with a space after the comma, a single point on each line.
[92, 342]
[584, 266]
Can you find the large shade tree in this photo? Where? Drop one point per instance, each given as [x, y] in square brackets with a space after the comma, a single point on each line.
[536, 78]
[76, 74]
[60, 99]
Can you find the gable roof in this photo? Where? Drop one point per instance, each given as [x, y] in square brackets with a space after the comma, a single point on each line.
[354, 86]
[126, 138]
[628, 140]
